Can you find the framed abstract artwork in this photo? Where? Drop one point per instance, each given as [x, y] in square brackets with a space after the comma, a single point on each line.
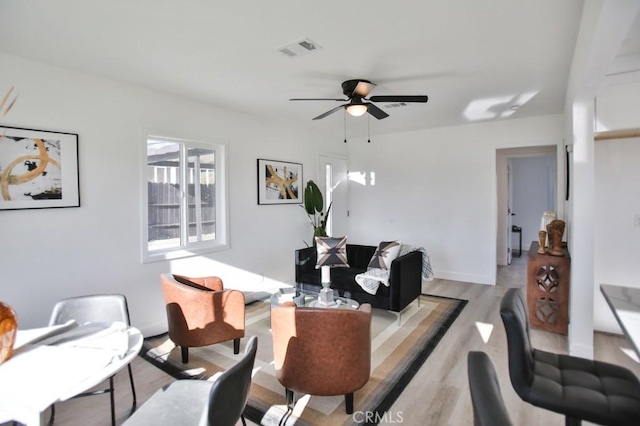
[38, 169]
[279, 182]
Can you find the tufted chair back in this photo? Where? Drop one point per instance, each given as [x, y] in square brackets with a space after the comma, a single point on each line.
[513, 311]
[579, 388]
[486, 398]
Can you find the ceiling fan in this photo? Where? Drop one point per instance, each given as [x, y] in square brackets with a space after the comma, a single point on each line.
[357, 91]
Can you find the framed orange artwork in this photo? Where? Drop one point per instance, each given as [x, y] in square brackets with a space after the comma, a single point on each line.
[38, 169]
[279, 182]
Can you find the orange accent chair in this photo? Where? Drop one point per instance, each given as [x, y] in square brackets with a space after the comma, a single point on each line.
[201, 313]
[322, 351]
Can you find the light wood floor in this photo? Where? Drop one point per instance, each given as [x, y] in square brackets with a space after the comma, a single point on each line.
[438, 394]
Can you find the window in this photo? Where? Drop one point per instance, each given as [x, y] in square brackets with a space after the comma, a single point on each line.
[185, 198]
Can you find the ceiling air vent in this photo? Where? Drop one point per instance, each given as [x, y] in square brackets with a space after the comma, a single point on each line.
[396, 105]
[299, 48]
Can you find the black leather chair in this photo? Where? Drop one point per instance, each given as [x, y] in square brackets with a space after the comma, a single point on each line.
[488, 405]
[218, 402]
[579, 388]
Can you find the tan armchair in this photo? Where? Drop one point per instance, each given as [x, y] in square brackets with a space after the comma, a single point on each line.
[320, 351]
[200, 312]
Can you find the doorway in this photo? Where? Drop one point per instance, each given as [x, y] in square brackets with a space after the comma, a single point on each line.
[527, 186]
[333, 181]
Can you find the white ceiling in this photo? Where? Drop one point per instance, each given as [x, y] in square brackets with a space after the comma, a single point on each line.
[488, 54]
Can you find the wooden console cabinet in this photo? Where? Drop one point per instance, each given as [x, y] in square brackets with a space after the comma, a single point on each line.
[548, 280]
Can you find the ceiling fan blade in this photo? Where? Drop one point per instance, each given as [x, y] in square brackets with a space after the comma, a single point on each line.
[318, 99]
[331, 111]
[376, 112]
[393, 98]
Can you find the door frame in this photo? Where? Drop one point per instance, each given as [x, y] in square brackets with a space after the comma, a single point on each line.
[322, 184]
[503, 235]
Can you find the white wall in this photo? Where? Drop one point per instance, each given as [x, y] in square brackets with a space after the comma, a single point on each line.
[54, 253]
[617, 238]
[433, 188]
[618, 102]
[437, 188]
[617, 194]
[603, 28]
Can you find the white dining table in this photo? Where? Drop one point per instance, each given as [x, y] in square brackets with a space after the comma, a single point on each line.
[625, 304]
[53, 364]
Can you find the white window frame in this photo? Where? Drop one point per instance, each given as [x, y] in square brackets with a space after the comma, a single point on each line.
[186, 248]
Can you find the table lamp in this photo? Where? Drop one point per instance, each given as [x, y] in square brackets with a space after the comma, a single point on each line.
[331, 252]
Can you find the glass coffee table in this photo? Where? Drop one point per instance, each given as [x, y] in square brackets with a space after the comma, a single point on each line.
[310, 299]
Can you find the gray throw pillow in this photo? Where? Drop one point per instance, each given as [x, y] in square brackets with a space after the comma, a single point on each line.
[332, 251]
[386, 253]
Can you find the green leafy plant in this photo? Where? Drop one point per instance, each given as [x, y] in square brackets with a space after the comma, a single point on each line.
[314, 206]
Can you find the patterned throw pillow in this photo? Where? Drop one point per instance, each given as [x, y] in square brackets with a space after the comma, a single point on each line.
[331, 251]
[386, 252]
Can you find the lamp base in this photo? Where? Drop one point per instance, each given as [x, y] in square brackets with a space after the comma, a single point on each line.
[326, 296]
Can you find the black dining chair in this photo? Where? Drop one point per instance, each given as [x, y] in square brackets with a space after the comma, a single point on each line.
[219, 401]
[486, 398]
[95, 308]
[578, 388]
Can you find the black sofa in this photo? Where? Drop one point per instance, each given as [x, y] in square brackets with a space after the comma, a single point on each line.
[405, 277]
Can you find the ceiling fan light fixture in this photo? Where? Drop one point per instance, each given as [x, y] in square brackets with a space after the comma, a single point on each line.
[357, 110]
[363, 88]
[356, 92]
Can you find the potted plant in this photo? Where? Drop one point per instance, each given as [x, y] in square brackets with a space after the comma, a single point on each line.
[314, 206]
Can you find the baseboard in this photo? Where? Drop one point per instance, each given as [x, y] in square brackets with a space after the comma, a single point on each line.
[582, 351]
[466, 278]
[154, 329]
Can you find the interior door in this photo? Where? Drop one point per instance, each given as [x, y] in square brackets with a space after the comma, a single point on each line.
[334, 180]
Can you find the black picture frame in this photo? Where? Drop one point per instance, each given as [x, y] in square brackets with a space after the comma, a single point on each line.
[279, 182]
[567, 172]
[38, 169]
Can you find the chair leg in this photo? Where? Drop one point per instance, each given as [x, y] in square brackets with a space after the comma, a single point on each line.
[236, 346]
[185, 354]
[572, 421]
[348, 403]
[289, 395]
[133, 389]
[244, 423]
[113, 403]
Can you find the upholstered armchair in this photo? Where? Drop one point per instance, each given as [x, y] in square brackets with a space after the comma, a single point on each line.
[322, 351]
[201, 313]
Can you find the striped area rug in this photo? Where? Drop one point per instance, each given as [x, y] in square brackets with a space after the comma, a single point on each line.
[398, 351]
